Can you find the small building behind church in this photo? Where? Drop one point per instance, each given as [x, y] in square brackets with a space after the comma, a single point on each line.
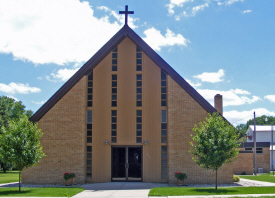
[126, 115]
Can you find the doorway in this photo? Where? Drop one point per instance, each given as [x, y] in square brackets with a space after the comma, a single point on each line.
[127, 163]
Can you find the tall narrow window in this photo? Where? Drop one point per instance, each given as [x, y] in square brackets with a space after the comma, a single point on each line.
[139, 126]
[89, 162]
[114, 126]
[163, 89]
[139, 59]
[139, 90]
[163, 126]
[114, 90]
[114, 59]
[89, 127]
[90, 90]
[163, 162]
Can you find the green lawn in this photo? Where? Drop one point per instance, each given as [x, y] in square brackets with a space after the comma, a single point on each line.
[39, 192]
[178, 191]
[9, 176]
[262, 177]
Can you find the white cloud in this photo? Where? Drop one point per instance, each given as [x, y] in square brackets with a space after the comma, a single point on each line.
[195, 10]
[18, 88]
[178, 3]
[241, 117]
[39, 78]
[229, 2]
[193, 84]
[58, 32]
[211, 77]
[230, 98]
[156, 40]
[271, 98]
[240, 91]
[38, 103]
[62, 75]
[13, 98]
[246, 11]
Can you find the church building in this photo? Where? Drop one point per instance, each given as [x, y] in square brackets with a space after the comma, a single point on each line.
[125, 115]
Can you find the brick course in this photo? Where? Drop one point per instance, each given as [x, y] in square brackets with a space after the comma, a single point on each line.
[183, 113]
[63, 141]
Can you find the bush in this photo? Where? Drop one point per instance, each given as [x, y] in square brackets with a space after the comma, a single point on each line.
[68, 175]
[243, 173]
[236, 178]
[180, 176]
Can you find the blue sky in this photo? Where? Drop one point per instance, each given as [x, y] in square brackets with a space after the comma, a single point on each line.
[218, 46]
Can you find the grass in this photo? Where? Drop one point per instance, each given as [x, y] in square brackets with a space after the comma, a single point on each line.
[39, 192]
[262, 177]
[178, 191]
[9, 176]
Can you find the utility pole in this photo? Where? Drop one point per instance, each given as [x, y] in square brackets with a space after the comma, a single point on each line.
[254, 136]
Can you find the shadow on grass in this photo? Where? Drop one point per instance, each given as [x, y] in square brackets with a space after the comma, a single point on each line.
[14, 192]
[213, 191]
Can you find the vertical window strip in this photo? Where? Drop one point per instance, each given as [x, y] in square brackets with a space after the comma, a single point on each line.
[139, 90]
[90, 90]
[89, 126]
[139, 60]
[89, 162]
[114, 59]
[164, 162]
[163, 89]
[114, 126]
[114, 91]
[139, 126]
[163, 126]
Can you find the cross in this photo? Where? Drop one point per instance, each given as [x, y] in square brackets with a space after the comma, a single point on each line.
[126, 12]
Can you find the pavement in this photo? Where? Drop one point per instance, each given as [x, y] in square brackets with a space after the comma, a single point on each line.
[141, 190]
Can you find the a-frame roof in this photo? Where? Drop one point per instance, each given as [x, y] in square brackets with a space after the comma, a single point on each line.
[124, 32]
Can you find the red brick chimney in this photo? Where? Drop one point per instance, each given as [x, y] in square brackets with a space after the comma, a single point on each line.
[218, 103]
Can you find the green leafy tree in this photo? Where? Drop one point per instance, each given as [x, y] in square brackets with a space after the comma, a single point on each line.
[10, 110]
[20, 144]
[214, 143]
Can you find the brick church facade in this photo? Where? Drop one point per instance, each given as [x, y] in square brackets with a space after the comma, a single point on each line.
[126, 115]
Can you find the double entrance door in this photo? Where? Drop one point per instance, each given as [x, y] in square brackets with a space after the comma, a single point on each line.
[126, 163]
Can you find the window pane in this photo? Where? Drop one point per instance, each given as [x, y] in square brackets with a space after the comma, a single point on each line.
[139, 55]
[139, 113]
[114, 68]
[164, 169]
[139, 126]
[139, 97]
[163, 96]
[139, 77]
[163, 139]
[115, 50]
[90, 97]
[114, 97]
[139, 83]
[89, 155]
[90, 103]
[90, 76]
[114, 90]
[114, 84]
[89, 169]
[113, 112]
[163, 175]
[163, 90]
[163, 83]
[114, 61]
[89, 175]
[163, 76]
[139, 133]
[139, 90]
[114, 103]
[139, 119]
[114, 77]
[89, 133]
[164, 149]
[114, 55]
[139, 61]
[90, 84]
[89, 162]
[90, 90]
[164, 156]
[163, 116]
[138, 50]
[89, 116]
[163, 103]
[163, 133]
[139, 68]
[113, 139]
[139, 139]
[89, 139]
[139, 103]
[89, 126]
[164, 162]
[113, 119]
[113, 126]
[89, 149]
[113, 133]
[163, 126]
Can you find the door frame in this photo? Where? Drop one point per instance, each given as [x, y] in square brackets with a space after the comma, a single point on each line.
[126, 147]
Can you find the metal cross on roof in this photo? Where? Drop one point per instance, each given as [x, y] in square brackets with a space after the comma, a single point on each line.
[126, 12]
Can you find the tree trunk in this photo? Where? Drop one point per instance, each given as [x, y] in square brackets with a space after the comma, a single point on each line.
[19, 180]
[216, 179]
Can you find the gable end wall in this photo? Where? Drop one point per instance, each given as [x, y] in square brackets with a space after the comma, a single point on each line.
[183, 113]
[63, 128]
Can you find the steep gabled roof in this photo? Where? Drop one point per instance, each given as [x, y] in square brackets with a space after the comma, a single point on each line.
[124, 32]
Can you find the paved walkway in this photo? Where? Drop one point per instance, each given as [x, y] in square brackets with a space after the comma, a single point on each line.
[141, 190]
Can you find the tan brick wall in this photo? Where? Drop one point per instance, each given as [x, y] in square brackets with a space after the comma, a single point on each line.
[244, 162]
[263, 160]
[183, 113]
[63, 140]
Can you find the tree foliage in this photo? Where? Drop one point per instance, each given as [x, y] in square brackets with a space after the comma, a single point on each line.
[214, 143]
[10, 110]
[20, 144]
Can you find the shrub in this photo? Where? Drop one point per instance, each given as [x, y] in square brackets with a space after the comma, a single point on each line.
[180, 176]
[236, 178]
[243, 173]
